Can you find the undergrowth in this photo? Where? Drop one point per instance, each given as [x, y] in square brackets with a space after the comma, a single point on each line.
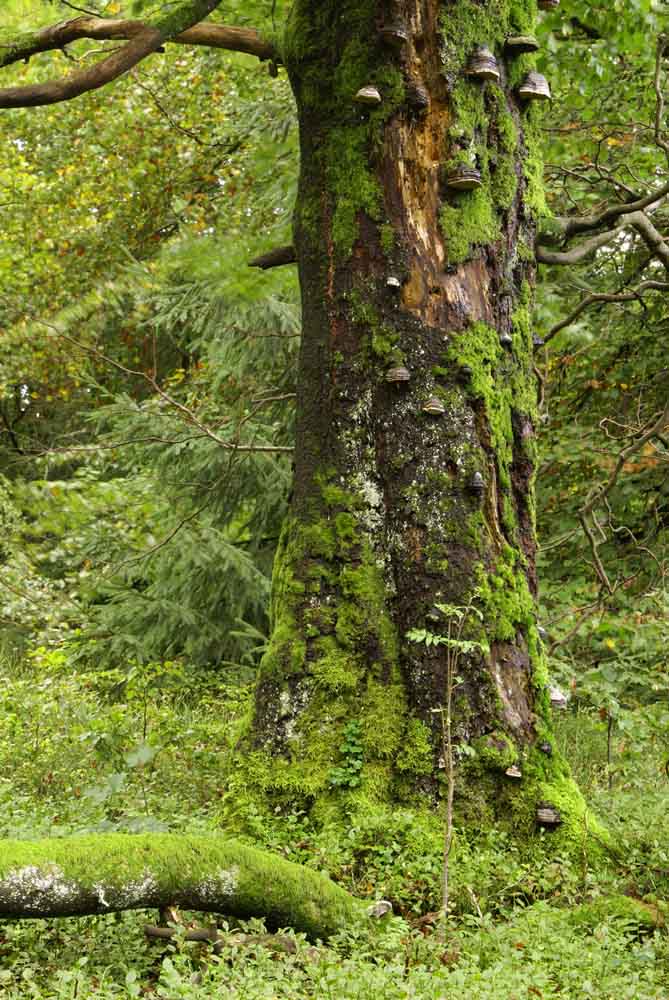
[144, 750]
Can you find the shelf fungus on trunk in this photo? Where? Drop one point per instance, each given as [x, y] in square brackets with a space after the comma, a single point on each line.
[368, 95]
[548, 816]
[393, 283]
[463, 178]
[516, 45]
[505, 339]
[418, 99]
[394, 34]
[434, 407]
[482, 65]
[557, 697]
[398, 374]
[534, 88]
[514, 772]
[477, 484]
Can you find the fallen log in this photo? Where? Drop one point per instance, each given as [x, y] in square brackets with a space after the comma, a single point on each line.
[104, 873]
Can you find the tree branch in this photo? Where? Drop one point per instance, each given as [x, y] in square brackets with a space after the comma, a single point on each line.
[566, 227]
[586, 515]
[57, 36]
[275, 258]
[651, 236]
[603, 297]
[187, 414]
[578, 253]
[146, 38]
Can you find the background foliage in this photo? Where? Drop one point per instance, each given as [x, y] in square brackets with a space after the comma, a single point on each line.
[145, 368]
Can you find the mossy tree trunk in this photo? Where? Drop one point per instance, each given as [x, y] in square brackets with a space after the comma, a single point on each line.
[415, 493]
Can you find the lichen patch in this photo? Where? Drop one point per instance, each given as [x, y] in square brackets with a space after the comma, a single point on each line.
[32, 888]
[223, 882]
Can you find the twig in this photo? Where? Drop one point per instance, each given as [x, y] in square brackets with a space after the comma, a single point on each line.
[187, 413]
[603, 297]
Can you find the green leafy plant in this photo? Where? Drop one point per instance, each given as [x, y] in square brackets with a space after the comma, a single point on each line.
[457, 618]
[347, 774]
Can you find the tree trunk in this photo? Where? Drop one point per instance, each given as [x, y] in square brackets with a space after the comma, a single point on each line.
[413, 488]
[105, 873]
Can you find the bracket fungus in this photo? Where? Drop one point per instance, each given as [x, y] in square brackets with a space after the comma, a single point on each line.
[394, 34]
[482, 65]
[434, 407]
[463, 179]
[547, 815]
[368, 95]
[534, 88]
[516, 45]
[557, 697]
[477, 484]
[418, 98]
[398, 374]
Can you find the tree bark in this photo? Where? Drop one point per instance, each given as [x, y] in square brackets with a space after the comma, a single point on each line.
[105, 873]
[411, 492]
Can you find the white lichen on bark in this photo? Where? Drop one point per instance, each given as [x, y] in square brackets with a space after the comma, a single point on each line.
[30, 886]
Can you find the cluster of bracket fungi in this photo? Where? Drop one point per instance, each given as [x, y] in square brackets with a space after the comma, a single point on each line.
[482, 65]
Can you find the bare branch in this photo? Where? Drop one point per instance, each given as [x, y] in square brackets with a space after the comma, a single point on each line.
[57, 36]
[275, 258]
[187, 414]
[653, 239]
[566, 227]
[656, 425]
[577, 253]
[144, 39]
[603, 297]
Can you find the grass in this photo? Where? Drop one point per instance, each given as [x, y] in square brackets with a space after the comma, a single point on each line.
[92, 752]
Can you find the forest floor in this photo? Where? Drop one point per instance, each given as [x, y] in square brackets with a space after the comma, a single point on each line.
[143, 751]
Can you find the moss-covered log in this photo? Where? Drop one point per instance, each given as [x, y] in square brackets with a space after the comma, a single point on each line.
[104, 873]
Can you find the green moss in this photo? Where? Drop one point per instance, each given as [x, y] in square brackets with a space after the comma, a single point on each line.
[496, 751]
[387, 236]
[180, 17]
[633, 913]
[382, 719]
[468, 223]
[332, 670]
[533, 166]
[349, 151]
[505, 596]
[484, 132]
[416, 756]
